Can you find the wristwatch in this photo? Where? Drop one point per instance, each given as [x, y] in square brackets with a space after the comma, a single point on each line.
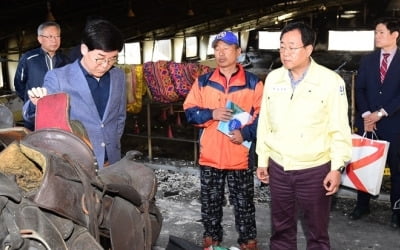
[341, 169]
[380, 114]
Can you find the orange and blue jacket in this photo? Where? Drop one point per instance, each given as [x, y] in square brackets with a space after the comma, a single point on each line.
[211, 91]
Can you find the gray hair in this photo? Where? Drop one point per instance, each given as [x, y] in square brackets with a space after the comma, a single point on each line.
[45, 25]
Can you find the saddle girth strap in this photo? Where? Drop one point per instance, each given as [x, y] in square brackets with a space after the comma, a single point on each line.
[14, 239]
[89, 200]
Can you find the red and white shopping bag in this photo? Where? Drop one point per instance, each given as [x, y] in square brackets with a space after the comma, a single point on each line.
[366, 168]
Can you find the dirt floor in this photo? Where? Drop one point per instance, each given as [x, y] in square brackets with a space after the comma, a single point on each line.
[178, 200]
[178, 192]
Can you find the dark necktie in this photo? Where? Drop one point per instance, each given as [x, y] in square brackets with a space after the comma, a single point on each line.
[384, 65]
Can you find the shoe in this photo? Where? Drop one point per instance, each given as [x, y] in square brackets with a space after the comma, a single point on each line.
[208, 242]
[358, 213]
[250, 245]
[395, 221]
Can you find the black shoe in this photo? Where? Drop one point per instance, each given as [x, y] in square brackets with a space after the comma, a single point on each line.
[395, 221]
[358, 213]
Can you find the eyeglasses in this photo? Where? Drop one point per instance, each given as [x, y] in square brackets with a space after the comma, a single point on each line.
[51, 37]
[291, 50]
[110, 61]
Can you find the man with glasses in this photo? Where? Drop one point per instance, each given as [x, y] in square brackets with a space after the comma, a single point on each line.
[96, 90]
[34, 63]
[303, 141]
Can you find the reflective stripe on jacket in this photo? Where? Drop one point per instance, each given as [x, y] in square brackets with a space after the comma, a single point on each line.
[32, 68]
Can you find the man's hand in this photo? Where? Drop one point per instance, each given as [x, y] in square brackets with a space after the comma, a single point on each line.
[370, 121]
[263, 175]
[222, 114]
[332, 182]
[36, 93]
[236, 137]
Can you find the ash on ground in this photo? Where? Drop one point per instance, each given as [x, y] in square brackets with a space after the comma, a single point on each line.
[185, 187]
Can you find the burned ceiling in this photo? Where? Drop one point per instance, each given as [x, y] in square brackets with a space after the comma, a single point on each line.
[156, 19]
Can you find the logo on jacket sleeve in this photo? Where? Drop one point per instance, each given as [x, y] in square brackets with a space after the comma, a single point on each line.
[342, 90]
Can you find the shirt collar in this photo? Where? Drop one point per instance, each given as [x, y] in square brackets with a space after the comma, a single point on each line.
[86, 73]
[391, 52]
[296, 82]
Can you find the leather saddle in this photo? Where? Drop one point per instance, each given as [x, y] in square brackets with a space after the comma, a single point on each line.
[116, 203]
[23, 225]
[65, 143]
[52, 111]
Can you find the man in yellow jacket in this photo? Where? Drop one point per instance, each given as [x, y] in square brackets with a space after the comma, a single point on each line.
[303, 140]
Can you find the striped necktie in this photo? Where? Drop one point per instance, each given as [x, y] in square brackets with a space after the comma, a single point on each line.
[384, 65]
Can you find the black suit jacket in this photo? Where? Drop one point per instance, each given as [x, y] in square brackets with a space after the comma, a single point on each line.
[372, 95]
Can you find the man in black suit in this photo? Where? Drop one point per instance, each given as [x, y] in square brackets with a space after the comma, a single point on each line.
[378, 106]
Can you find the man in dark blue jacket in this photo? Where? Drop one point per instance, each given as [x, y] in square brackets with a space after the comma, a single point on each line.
[378, 106]
[35, 63]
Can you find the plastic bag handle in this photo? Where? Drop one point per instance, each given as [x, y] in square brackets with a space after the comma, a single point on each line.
[373, 135]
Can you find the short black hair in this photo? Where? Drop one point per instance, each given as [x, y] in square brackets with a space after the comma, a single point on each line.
[102, 35]
[391, 23]
[307, 33]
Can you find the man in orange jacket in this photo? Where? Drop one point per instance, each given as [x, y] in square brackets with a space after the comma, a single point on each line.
[225, 156]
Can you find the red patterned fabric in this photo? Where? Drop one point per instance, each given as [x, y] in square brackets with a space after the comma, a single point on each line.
[159, 82]
[151, 80]
[194, 70]
[167, 86]
[204, 69]
[183, 82]
[170, 81]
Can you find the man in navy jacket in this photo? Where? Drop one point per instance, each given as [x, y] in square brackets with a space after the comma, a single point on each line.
[35, 63]
[378, 107]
